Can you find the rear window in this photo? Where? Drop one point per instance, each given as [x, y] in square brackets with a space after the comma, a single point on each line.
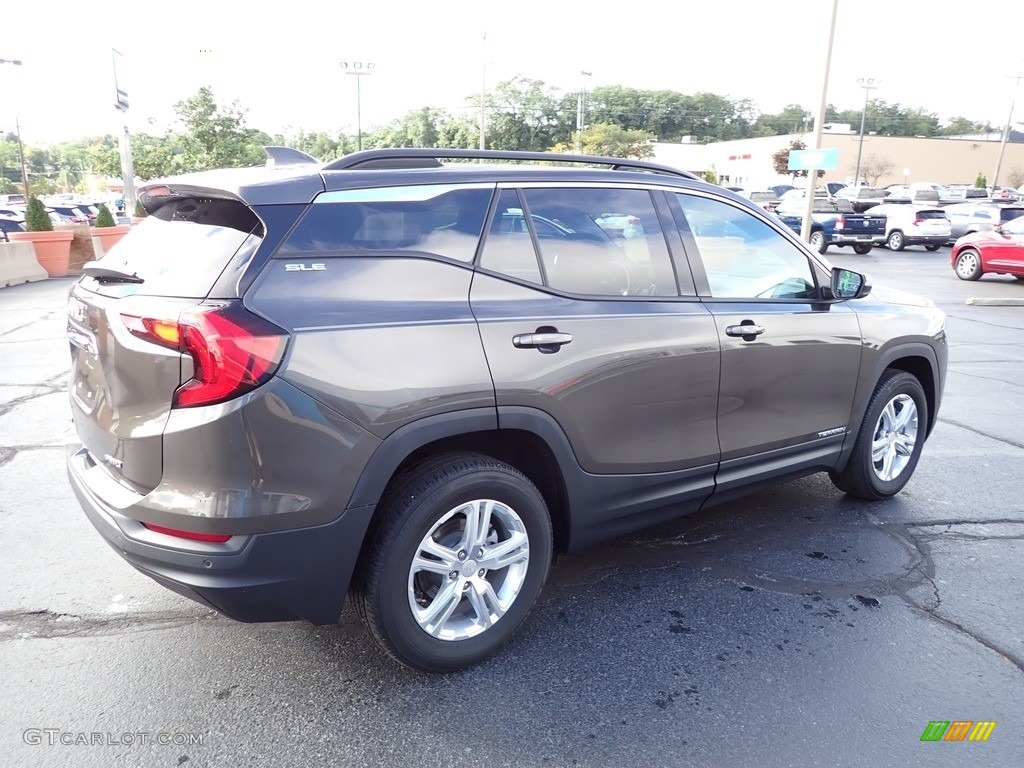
[442, 219]
[931, 215]
[1009, 214]
[182, 248]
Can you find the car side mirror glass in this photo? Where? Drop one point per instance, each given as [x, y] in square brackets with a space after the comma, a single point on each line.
[847, 284]
[998, 229]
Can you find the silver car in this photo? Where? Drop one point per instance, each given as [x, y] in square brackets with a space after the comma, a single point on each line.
[966, 218]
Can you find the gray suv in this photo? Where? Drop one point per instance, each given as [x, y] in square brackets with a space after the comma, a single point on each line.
[415, 382]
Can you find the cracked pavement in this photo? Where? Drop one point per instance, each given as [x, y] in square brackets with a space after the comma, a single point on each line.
[794, 627]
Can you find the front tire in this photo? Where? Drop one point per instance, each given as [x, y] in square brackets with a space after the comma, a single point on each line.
[862, 248]
[890, 439]
[895, 241]
[459, 559]
[968, 264]
[931, 247]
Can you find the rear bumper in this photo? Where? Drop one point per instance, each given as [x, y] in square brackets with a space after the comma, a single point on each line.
[841, 238]
[302, 573]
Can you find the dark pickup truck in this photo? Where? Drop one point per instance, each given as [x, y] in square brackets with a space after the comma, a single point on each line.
[835, 223]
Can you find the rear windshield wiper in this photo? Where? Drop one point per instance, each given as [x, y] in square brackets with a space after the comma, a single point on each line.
[108, 275]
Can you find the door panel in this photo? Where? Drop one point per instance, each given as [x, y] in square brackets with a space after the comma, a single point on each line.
[788, 382]
[792, 382]
[635, 389]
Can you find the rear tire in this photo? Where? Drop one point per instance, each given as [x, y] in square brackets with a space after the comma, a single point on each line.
[895, 241]
[889, 441]
[818, 242]
[968, 264]
[460, 557]
[932, 247]
[862, 248]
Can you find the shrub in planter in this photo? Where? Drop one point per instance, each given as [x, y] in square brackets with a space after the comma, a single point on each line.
[107, 231]
[140, 212]
[105, 218]
[36, 217]
[53, 248]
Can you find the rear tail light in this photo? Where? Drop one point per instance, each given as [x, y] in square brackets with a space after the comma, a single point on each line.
[840, 222]
[232, 350]
[216, 538]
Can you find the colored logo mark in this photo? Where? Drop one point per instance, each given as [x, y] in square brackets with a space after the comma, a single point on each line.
[958, 730]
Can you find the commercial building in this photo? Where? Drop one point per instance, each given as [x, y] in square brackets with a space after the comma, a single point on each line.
[884, 159]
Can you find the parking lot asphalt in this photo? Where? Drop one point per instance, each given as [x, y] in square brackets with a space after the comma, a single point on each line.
[794, 627]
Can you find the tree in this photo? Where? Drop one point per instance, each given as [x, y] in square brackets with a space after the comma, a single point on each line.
[792, 119]
[873, 168]
[780, 161]
[961, 126]
[522, 114]
[215, 136]
[419, 128]
[611, 141]
[981, 182]
[1016, 176]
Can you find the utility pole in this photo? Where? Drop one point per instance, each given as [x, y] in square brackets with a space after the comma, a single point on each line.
[1006, 132]
[17, 128]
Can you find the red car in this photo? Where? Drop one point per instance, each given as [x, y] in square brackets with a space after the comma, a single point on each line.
[1000, 251]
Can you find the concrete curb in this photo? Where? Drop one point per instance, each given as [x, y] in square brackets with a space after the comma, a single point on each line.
[997, 302]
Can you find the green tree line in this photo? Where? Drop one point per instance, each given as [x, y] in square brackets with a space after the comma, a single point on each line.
[522, 113]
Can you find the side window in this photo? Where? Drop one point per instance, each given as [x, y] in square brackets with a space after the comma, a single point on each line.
[509, 248]
[442, 219]
[743, 257]
[601, 242]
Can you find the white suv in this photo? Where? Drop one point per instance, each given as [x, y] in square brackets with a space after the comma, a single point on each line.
[909, 224]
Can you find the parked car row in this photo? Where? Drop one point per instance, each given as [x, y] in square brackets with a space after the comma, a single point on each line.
[61, 210]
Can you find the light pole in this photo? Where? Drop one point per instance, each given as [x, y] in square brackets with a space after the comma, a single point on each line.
[483, 98]
[360, 69]
[1006, 132]
[819, 124]
[581, 111]
[868, 84]
[124, 138]
[17, 128]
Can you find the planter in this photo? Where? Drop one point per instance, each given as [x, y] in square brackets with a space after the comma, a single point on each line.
[108, 236]
[53, 249]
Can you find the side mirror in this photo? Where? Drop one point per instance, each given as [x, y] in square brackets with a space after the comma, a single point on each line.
[998, 229]
[847, 284]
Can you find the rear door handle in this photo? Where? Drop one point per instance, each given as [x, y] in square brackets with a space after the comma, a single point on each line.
[747, 330]
[541, 340]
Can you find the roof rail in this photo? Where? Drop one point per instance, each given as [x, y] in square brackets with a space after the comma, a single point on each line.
[420, 157]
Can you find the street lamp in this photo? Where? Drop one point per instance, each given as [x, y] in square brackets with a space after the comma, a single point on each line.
[359, 68]
[581, 111]
[17, 128]
[868, 84]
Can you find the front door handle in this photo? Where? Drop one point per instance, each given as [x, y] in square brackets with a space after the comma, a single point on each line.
[747, 330]
[545, 342]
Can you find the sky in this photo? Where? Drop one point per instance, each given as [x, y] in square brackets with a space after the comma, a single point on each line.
[944, 56]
